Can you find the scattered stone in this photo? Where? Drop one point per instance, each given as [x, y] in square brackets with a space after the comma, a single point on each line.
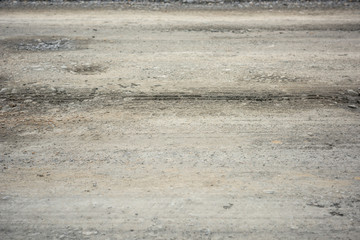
[352, 92]
[336, 213]
[5, 198]
[316, 205]
[269, 191]
[3, 90]
[228, 206]
[352, 106]
[206, 231]
[336, 205]
[89, 233]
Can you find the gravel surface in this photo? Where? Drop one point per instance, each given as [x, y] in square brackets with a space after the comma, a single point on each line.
[179, 124]
[185, 4]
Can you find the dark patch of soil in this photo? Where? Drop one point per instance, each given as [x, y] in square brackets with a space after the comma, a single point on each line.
[44, 43]
[88, 69]
[3, 80]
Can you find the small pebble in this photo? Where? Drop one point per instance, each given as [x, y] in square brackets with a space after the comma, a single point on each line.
[3, 90]
[269, 191]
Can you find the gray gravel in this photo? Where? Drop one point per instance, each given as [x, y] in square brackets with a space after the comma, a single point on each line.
[186, 4]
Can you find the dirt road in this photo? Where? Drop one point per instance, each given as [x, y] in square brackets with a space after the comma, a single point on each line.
[134, 124]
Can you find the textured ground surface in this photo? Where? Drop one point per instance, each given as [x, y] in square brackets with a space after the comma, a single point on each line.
[133, 124]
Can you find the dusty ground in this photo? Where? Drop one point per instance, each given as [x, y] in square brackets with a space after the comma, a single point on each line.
[133, 124]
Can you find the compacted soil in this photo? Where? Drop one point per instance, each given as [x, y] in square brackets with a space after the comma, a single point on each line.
[179, 124]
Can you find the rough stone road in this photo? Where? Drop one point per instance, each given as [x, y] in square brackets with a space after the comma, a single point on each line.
[179, 124]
